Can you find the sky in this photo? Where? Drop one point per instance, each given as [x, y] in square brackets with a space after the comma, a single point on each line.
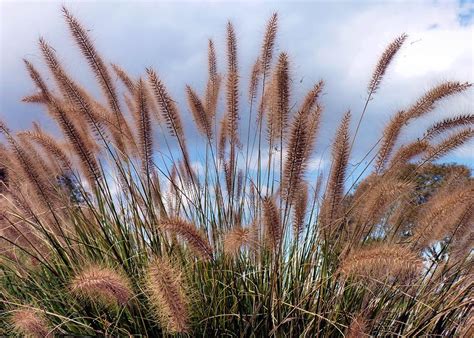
[337, 41]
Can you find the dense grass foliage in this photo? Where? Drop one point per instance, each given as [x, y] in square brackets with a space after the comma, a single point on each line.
[109, 226]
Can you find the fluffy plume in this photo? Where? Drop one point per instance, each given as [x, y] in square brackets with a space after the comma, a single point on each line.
[41, 188]
[167, 104]
[423, 106]
[406, 153]
[384, 62]
[357, 328]
[268, 44]
[239, 237]
[370, 205]
[51, 146]
[74, 95]
[30, 323]
[271, 219]
[280, 102]
[449, 123]
[125, 78]
[35, 98]
[167, 296]
[442, 214]
[314, 120]
[389, 137]
[97, 65]
[190, 234]
[296, 161]
[427, 102]
[448, 144]
[330, 210]
[222, 138]
[312, 97]
[254, 79]
[201, 118]
[381, 262]
[143, 122]
[300, 209]
[170, 114]
[103, 284]
[232, 95]
[213, 84]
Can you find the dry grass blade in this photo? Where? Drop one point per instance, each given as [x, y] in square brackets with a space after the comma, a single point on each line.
[101, 284]
[167, 296]
[188, 231]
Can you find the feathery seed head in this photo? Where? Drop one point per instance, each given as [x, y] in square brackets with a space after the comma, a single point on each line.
[101, 284]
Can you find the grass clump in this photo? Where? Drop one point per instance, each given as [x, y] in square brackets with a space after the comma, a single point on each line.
[106, 230]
